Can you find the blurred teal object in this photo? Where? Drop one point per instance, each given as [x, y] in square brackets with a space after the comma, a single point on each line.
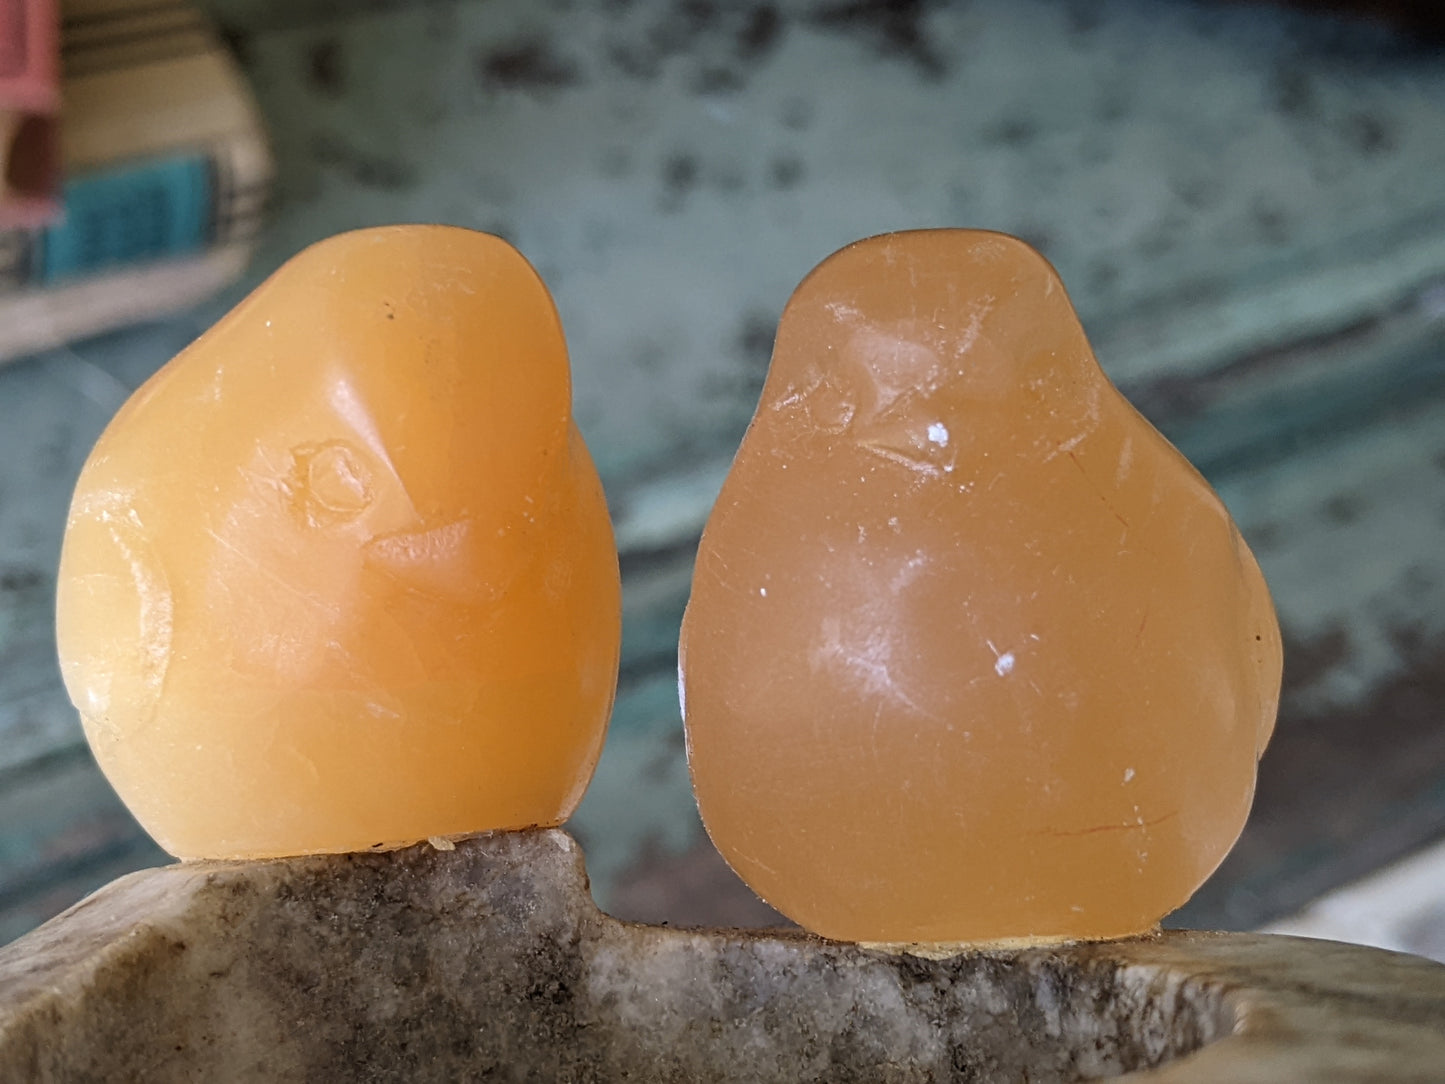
[125, 216]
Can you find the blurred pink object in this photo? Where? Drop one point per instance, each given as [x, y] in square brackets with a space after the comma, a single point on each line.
[29, 112]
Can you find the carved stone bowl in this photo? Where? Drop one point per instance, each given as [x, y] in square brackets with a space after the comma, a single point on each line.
[490, 962]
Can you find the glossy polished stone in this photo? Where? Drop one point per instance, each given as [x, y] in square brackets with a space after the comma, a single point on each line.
[972, 654]
[341, 575]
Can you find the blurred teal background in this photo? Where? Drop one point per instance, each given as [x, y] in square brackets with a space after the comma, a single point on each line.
[1246, 203]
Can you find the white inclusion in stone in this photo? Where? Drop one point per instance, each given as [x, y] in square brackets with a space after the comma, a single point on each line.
[1004, 664]
[1128, 774]
[938, 434]
[763, 591]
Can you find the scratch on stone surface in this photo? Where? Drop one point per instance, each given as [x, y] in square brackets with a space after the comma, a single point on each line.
[157, 611]
[103, 503]
[793, 396]
[908, 571]
[870, 663]
[248, 559]
[307, 762]
[1097, 491]
[1003, 661]
[1066, 447]
[350, 406]
[915, 465]
[1126, 461]
[975, 327]
[1132, 826]
[873, 728]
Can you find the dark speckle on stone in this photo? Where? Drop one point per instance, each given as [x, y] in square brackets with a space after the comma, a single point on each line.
[1103, 275]
[914, 971]
[324, 68]
[679, 177]
[20, 579]
[786, 172]
[1083, 17]
[1410, 640]
[1418, 579]
[51, 456]
[1113, 105]
[760, 32]
[441, 23]
[662, 765]
[366, 169]
[1157, 243]
[680, 172]
[238, 41]
[1012, 131]
[683, 24]
[1264, 536]
[533, 65]
[1306, 661]
[738, 385]
[1173, 397]
[1095, 151]
[718, 37]
[1294, 93]
[615, 161]
[634, 62]
[1344, 508]
[717, 80]
[893, 28]
[797, 114]
[960, 202]
[649, 355]
[755, 338]
[1195, 193]
[1036, 237]
[1272, 223]
[728, 179]
[1369, 134]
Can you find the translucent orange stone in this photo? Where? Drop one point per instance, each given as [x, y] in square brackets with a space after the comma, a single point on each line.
[342, 574]
[973, 654]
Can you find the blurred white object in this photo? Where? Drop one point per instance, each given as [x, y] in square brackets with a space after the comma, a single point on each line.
[1402, 907]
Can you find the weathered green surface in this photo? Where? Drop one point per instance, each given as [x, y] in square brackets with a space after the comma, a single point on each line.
[490, 962]
[1244, 203]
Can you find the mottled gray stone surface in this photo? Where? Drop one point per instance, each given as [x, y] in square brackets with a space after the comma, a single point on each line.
[489, 962]
[1244, 202]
